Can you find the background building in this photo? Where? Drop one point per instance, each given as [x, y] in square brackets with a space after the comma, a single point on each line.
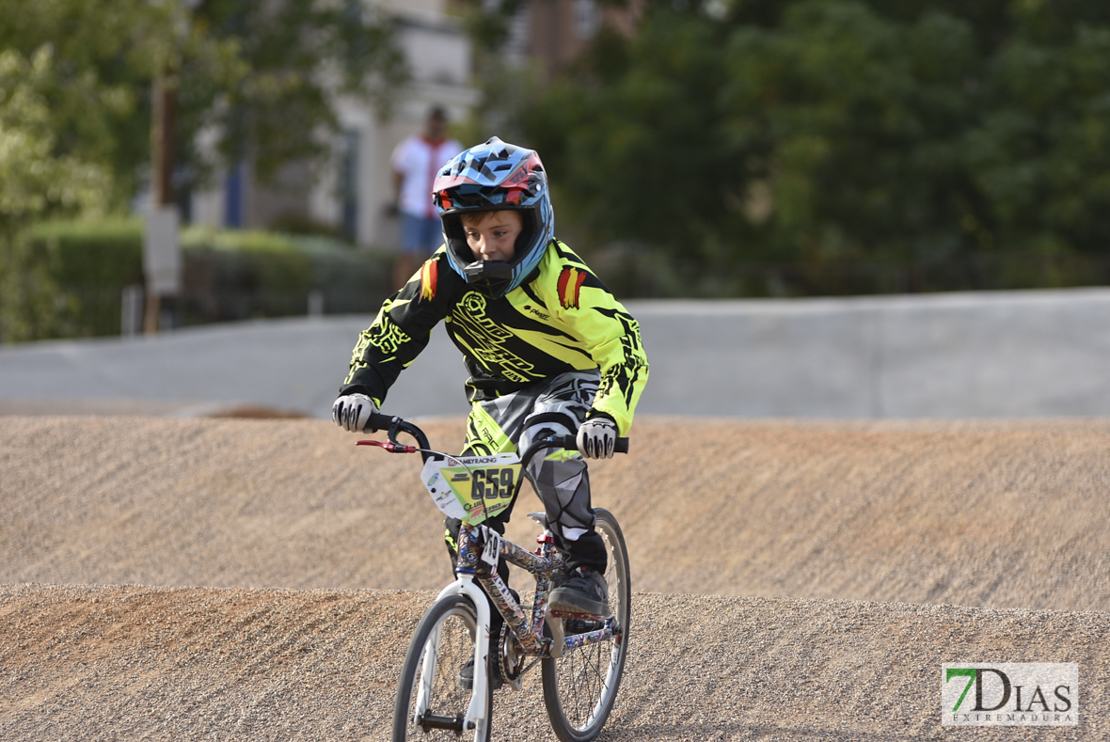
[353, 192]
[555, 32]
[355, 189]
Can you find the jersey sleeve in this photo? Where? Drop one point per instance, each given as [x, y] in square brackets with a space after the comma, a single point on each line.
[609, 334]
[400, 331]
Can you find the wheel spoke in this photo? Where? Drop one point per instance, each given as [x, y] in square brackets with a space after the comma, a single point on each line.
[581, 686]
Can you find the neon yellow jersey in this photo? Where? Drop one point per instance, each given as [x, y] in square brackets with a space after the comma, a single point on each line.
[561, 318]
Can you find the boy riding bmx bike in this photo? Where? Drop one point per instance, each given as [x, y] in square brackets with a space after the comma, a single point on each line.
[548, 348]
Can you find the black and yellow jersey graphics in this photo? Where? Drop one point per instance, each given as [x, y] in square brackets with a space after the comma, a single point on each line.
[562, 318]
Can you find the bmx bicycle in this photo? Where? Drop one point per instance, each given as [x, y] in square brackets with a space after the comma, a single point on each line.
[581, 658]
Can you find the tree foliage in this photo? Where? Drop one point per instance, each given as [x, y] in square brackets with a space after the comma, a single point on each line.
[256, 76]
[294, 57]
[255, 79]
[817, 132]
[34, 182]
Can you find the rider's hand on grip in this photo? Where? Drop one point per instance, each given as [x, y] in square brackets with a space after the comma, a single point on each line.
[352, 412]
[597, 438]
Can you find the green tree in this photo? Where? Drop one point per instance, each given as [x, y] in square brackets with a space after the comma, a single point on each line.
[75, 107]
[35, 183]
[294, 56]
[859, 123]
[1040, 152]
[259, 75]
[822, 132]
[634, 138]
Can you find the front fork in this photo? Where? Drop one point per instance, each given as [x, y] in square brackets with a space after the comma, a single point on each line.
[476, 712]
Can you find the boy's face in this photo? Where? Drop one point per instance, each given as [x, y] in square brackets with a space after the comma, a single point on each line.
[491, 235]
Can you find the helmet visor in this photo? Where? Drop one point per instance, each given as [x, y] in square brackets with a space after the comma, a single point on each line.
[476, 198]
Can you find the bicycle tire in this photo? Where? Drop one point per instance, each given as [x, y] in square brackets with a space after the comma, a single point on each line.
[580, 688]
[452, 621]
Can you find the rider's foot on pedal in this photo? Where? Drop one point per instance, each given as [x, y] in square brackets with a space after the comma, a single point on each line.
[584, 592]
[466, 676]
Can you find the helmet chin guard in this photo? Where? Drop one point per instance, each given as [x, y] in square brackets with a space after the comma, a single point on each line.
[491, 277]
[491, 177]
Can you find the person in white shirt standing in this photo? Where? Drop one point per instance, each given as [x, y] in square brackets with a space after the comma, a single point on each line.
[416, 161]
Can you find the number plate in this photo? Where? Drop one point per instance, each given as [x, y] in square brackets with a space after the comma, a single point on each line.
[472, 488]
[491, 552]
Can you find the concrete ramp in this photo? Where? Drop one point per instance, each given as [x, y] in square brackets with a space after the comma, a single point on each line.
[973, 355]
[286, 366]
[959, 355]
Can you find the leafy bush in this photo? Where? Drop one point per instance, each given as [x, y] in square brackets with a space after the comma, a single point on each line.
[94, 254]
[233, 275]
[37, 182]
[228, 275]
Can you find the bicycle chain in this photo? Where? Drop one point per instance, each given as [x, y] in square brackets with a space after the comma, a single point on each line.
[510, 657]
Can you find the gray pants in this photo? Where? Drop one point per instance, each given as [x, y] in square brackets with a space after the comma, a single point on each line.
[511, 423]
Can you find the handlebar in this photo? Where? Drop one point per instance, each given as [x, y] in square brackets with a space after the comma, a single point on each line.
[570, 443]
[394, 425]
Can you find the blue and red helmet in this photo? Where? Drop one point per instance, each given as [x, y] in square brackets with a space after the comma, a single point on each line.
[491, 177]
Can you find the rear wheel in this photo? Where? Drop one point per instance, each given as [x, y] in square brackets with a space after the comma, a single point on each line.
[440, 648]
[580, 687]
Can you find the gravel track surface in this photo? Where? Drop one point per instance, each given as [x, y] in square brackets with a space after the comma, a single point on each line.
[240, 579]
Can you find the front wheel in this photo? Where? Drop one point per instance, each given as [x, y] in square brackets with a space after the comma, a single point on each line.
[432, 697]
[580, 687]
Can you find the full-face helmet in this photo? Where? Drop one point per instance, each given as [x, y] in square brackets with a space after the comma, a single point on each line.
[490, 177]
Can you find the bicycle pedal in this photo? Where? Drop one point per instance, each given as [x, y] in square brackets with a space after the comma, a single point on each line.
[553, 627]
[573, 626]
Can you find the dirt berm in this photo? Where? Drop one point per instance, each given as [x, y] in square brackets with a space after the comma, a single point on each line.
[258, 580]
